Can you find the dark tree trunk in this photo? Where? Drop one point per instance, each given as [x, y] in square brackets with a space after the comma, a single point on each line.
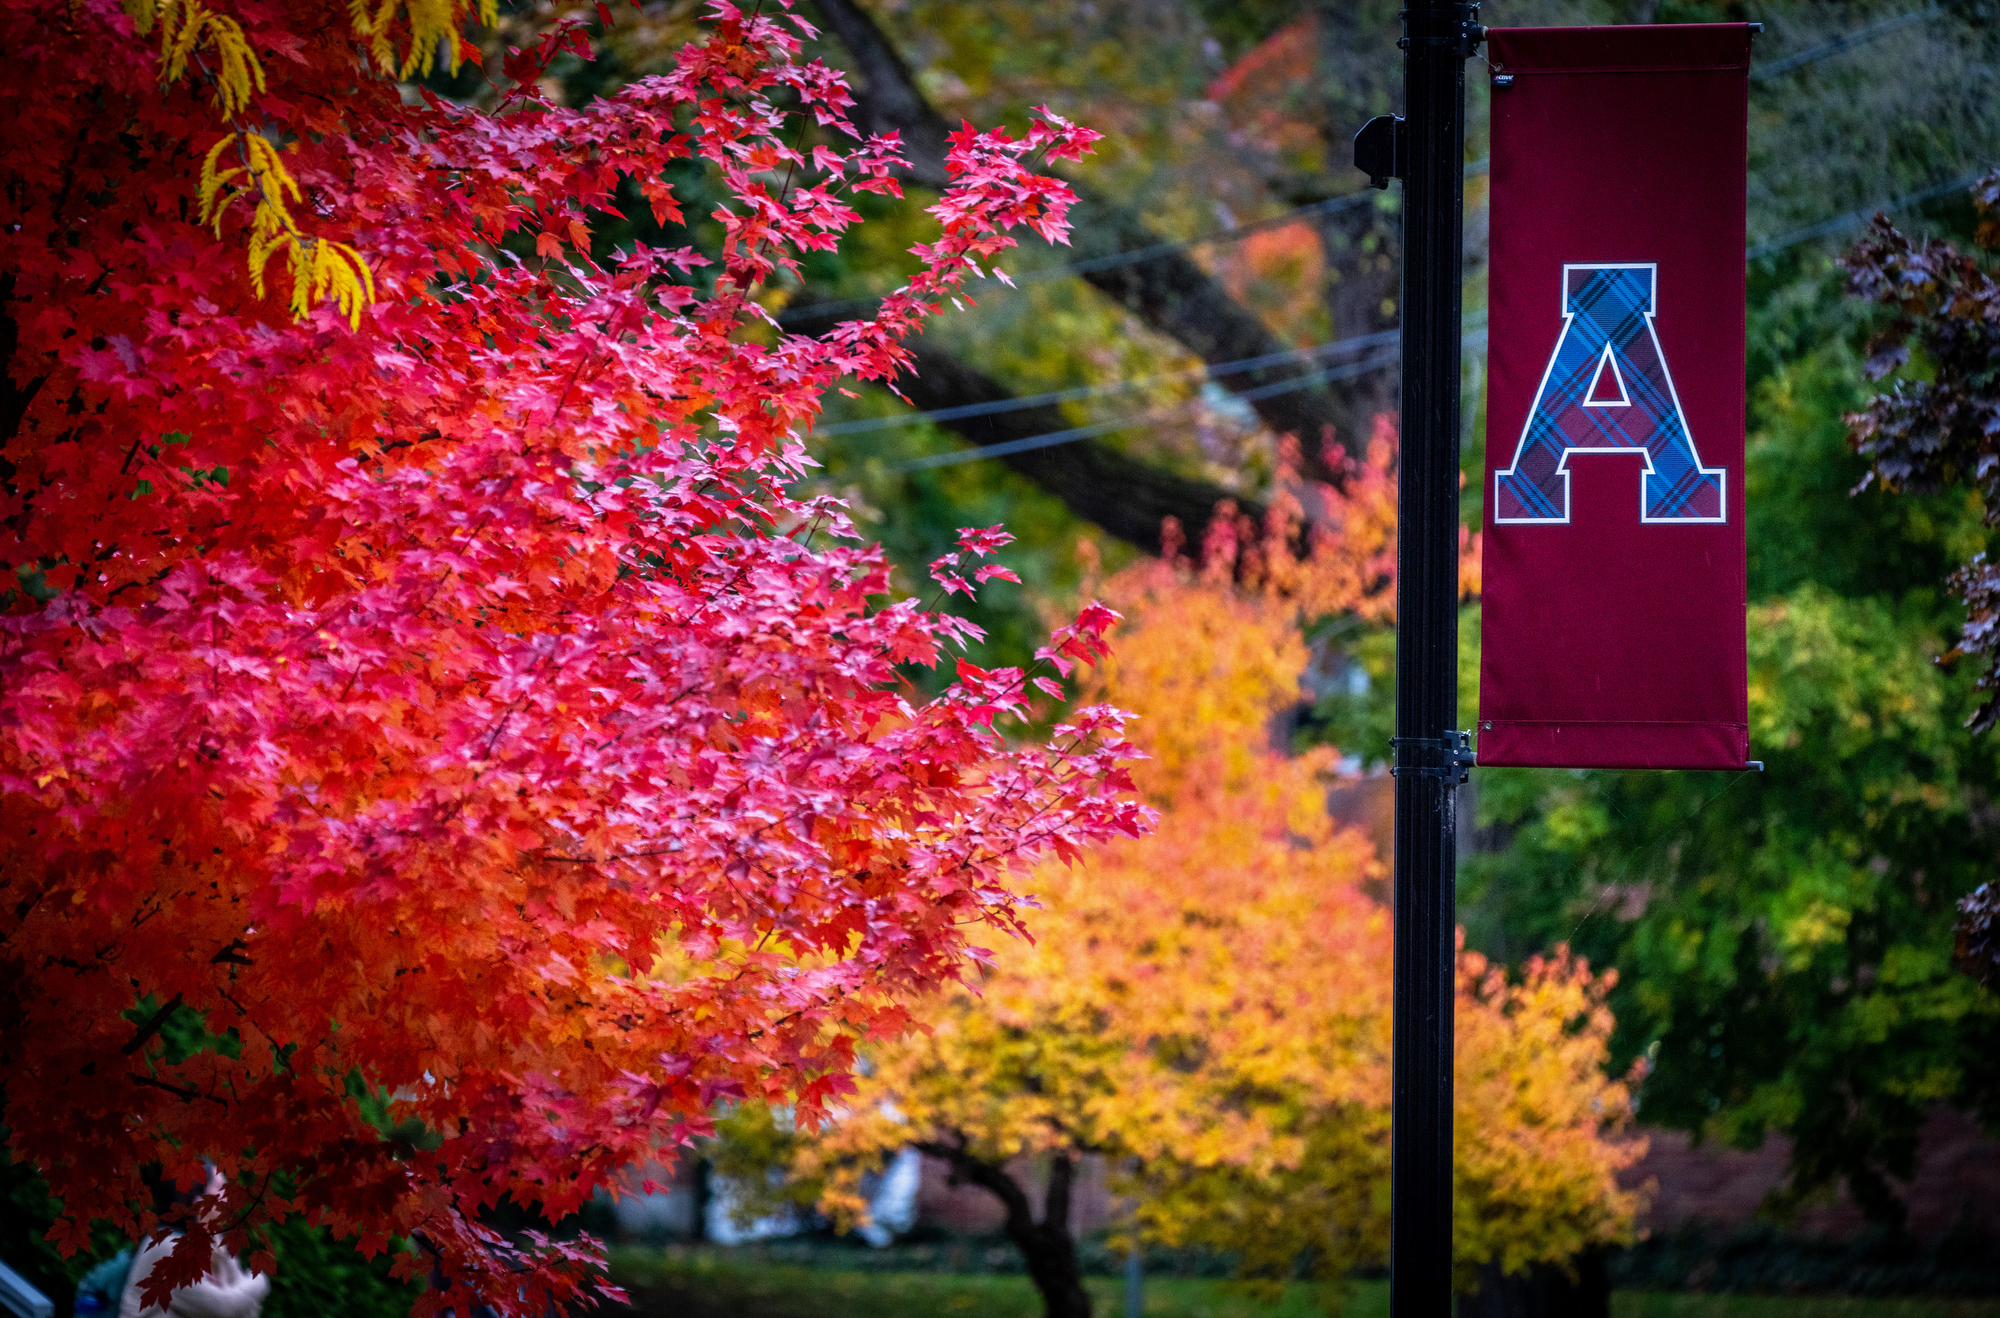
[14, 398]
[1047, 1247]
[1360, 73]
[1364, 257]
[1100, 484]
[704, 1190]
[1542, 1292]
[1128, 498]
[1168, 291]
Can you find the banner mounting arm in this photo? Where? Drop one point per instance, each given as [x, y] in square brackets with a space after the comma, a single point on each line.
[1450, 757]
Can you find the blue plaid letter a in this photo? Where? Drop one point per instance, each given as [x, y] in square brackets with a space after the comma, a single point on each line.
[1607, 390]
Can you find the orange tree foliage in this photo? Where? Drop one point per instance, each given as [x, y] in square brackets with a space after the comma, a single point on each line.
[1210, 1004]
[418, 687]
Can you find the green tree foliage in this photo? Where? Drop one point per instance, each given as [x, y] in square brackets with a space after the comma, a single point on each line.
[1806, 522]
[1783, 938]
[319, 1275]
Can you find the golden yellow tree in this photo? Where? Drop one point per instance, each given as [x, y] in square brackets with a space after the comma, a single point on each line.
[1209, 1006]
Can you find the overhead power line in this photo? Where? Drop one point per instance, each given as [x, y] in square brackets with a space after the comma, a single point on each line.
[1350, 370]
[1846, 41]
[1136, 256]
[1112, 261]
[1347, 372]
[1854, 219]
[1360, 343]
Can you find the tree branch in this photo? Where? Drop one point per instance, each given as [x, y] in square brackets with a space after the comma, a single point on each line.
[1127, 497]
[151, 1027]
[989, 1177]
[180, 1091]
[1046, 1247]
[1170, 292]
[14, 398]
[889, 101]
[1055, 1205]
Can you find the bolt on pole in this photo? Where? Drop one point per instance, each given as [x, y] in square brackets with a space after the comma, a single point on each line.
[1430, 757]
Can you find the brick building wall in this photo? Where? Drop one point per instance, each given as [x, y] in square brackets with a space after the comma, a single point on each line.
[1958, 1179]
[973, 1211]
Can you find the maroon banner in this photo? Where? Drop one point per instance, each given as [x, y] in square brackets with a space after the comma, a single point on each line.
[1612, 634]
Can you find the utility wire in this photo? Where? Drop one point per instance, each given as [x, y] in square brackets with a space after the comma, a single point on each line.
[1380, 362]
[1349, 371]
[1846, 41]
[1360, 343]
[1862, 216]
[1137, 256]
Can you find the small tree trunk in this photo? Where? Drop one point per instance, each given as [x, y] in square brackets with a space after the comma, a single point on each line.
[1047, 1247]
[704, 1190]
[1542, 1292]
[1050, 1249]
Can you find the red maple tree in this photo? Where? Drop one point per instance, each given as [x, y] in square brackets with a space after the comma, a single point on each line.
[417, 680]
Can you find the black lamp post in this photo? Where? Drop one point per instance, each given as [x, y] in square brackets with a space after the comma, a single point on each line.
[1426, 151]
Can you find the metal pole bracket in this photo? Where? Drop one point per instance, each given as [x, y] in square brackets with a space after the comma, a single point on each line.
[1449, 757]
[1457, 31]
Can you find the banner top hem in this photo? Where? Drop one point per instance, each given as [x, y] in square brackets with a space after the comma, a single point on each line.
[1624, 48]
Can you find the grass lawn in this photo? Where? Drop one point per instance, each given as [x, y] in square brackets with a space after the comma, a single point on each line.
[701, 1285]
[708, 1284]
[1640, 1304]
